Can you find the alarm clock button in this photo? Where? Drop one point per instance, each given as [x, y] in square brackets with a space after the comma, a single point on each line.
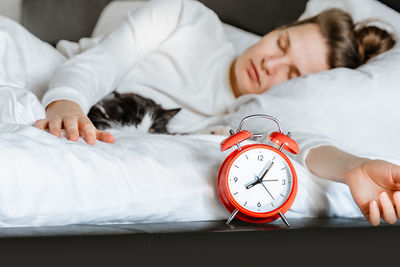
[288, 143]
[234, 139]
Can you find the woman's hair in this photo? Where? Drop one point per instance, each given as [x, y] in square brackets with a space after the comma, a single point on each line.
[350, 45]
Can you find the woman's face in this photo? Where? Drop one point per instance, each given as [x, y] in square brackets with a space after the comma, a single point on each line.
[280, 55]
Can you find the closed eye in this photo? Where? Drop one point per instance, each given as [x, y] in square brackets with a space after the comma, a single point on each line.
[285, 45]
[280, 43]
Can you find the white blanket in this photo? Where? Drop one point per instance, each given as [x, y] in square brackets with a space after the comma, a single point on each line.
[141, 178]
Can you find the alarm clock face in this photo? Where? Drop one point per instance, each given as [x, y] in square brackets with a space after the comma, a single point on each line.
[253, 194]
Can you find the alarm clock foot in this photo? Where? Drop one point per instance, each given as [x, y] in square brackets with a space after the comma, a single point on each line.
[232, 216]
[284, 219]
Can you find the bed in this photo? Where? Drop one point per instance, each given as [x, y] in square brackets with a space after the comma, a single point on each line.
[197, 235]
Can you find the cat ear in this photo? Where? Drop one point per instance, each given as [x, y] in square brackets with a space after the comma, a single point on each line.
[170, 113]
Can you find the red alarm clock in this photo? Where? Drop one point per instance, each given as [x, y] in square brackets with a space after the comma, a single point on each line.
[257, 183]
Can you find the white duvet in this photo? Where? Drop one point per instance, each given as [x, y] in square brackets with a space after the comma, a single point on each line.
[45, 180]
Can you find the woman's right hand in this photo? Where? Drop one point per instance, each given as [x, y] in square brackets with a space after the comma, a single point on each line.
[68, 115]
[375, 187]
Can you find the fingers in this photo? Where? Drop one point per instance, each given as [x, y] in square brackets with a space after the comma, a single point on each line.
[374, 217]
[88, 130]
[71, 127]
[104, 137]
[388, 212]
[41, 124]
[75, 127]
[55, 127]
[396, 197]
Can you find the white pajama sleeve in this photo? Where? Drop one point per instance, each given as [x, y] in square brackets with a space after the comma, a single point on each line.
[91, 75]
[307, 141]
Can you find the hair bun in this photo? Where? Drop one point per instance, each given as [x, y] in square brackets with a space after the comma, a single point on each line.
[350, 45]
[371, 41]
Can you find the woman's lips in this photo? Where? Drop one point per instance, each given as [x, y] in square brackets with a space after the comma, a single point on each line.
[252, 72]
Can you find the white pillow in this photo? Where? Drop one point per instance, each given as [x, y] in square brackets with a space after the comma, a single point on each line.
[115, 12]
[357, 108]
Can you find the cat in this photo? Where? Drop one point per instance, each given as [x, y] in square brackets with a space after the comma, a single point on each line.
[122, 111]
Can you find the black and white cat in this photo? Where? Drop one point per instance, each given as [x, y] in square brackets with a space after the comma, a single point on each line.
[131, 111]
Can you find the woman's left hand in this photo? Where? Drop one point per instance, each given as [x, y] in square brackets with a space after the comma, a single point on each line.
[375, 187]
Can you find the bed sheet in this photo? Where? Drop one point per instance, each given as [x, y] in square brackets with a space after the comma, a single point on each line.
[147, 178]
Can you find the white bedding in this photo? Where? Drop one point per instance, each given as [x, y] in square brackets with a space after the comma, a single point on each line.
[143, 178]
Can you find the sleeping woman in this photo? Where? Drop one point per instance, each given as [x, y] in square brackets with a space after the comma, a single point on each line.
[176, 53]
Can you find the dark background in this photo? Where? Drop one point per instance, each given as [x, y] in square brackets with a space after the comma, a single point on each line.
[53, 20]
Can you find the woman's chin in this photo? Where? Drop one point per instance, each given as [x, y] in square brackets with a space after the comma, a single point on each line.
[244, 86]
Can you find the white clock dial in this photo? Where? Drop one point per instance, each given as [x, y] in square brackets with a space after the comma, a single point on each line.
[275, 187]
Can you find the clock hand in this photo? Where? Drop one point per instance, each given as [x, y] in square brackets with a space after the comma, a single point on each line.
[253, 183]
[264, 172]
[268, 191]
[258, 181]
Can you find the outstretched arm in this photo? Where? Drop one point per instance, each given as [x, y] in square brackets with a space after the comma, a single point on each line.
[86, 78]
[374, 184]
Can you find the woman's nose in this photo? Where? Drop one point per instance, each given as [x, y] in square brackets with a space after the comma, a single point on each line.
[273, 64]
